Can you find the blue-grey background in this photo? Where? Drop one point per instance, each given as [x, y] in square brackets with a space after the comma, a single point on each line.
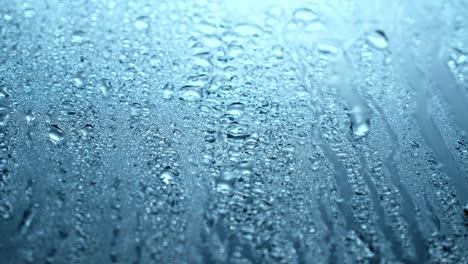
[233, 131]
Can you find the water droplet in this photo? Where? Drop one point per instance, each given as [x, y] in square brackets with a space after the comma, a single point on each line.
[168, 175]
[7, 17]
[78, 36]
[141, 23]
[202, 59]
[314, 26]
[198, 80]
[235, 109]
[246, 29]
[305, 14]
[457, 57]
[30, 117]
[237, 131]
[190, 93]
[209, 138]
[135, 109]
[155, 61]
[377, 39]
[360, 121]
[226, 181]
[277, 51]
[4, 93]
[177, 133]
[105, 86]
[168, 90]
[28, 13]
[87, 130]
[4, 116]
[56, 134]
[212, 41]
[414, 148]
[6, 209]
[78, 80]
[206, 28]
[26, 221]
[235, 50]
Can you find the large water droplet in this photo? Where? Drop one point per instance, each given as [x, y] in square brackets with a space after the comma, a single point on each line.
[206, 28]
[4, 116]
[78, 80]
[237, 131]
[29, 12]
[30, 117]
[4, 93]
[246, 29]
[235, 109]
[377, 39]
[198, 80]
[87, 130]
[190, 93]
[141, 23]
[305, 14]
[56, 134]
[226, 181]
[212, 41]
[105, 86]
[78, 36]
[235, 50]
[167, 90]
[360, 121]
[168, 175]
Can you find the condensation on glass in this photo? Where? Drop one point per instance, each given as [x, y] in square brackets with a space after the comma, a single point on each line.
[236, 132]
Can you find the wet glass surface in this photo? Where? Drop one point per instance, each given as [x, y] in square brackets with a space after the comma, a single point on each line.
[233, 131]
